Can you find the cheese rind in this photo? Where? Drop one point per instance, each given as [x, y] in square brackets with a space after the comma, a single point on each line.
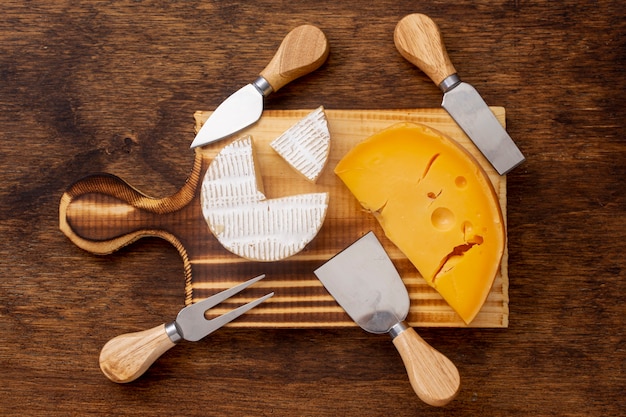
[436, 204]
[244, 221]
[305, 146]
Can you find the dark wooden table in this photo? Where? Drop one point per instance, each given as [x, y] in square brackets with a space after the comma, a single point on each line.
[90, 87]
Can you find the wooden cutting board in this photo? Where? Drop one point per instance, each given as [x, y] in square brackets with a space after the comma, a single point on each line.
[103, 213]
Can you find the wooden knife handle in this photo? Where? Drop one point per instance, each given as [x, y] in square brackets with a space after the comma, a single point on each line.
[102, 213]
[303, 50]
[418, 39]
[126, 357]
[433, 376]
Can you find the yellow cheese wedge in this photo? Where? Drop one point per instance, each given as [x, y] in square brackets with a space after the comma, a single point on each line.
[306, 145]
[436, 204]
[244, 221]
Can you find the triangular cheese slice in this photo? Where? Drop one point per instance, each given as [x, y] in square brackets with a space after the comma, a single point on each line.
[306, 145]
[436, 204]
[244, 221]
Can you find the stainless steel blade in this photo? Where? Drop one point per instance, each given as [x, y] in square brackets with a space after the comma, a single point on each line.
[418, 39]
[367, 285]
[240, 110]
[472, 114]
[303, 50]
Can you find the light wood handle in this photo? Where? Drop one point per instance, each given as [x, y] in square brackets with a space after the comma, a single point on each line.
[418, 39]
[433, 376]
[126, 357]
[303, 50]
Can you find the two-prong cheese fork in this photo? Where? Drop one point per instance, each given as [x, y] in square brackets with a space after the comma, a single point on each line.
[126, 357]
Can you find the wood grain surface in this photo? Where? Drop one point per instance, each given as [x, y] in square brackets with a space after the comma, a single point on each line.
[104, 213]
[90, 87]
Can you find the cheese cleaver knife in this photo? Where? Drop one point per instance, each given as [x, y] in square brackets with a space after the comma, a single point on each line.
[418, 39]
[366, 284]
[302, 51]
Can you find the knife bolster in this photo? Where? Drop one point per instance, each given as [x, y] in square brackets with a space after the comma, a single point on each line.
[264, 87]
[449, 82]
[398, 328]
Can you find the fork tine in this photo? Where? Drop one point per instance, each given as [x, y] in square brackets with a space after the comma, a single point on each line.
[225, 318]
[192, 324]
[214, 300]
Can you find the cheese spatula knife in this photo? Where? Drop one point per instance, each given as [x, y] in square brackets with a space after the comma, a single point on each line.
[302, 51]
[126, 357]
[418, 39]
[366, 284]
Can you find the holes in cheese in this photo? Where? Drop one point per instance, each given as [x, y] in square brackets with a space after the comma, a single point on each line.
[243, 220]
[436, 204]
[306, 145]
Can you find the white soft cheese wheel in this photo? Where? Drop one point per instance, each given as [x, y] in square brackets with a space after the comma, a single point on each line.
[306, 145]
[244, 221]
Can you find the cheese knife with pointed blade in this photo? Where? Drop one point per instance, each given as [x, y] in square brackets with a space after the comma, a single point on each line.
[302, 51]
[419, 40]
[366, 284]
